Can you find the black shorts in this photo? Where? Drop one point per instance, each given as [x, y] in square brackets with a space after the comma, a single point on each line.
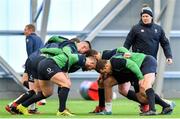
[47, 68]
[28, 70]
[149, 65]
[126, 77]
[34, 66]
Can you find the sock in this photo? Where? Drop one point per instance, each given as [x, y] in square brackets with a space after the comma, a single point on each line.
[132, 96]
[43, 101]
[161, 102]
[63, 94]
[108, 106]
[25, 96]
[101, 97]
[37, 97]
[151, 98]
[14, 101]
[32, 106]
[26, 84]
[59, 89]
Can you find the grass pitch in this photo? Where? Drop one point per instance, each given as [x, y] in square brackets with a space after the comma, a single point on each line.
[122, 108]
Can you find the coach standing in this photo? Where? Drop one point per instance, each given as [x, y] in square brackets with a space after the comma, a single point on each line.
[33, 42]
[146, 36]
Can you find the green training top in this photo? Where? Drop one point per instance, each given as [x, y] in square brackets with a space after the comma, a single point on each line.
[63, 57]
[119, 63]
[56, 51]
[66, 61]
[138, 58]
[55, 39]
[133, 63]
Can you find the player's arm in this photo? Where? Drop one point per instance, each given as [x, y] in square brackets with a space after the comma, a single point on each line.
[131, 65]
[54, 51]
[76, 58]
[130, 38]
[74, 68]
[120, 63]
[67, 50]
[126, 52]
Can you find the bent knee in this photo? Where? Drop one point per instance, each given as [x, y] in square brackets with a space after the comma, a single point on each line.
[48, 93]
[69, 84]
[66, 84]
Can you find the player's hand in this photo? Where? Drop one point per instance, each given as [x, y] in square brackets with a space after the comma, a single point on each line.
[169, 60]
[127, 55]
[141, 83]
[67, 75]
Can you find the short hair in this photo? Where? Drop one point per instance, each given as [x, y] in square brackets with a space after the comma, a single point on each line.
[31, 26]
[88, 44]
[100, 65]
[77, 40]
[84, 68]
[91, 53]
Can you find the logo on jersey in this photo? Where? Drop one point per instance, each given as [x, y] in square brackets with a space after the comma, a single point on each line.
[31, 77]
[142, 30]
[155, 30]
[49, 70]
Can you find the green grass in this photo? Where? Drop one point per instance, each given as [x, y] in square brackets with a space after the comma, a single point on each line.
[122, 108]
